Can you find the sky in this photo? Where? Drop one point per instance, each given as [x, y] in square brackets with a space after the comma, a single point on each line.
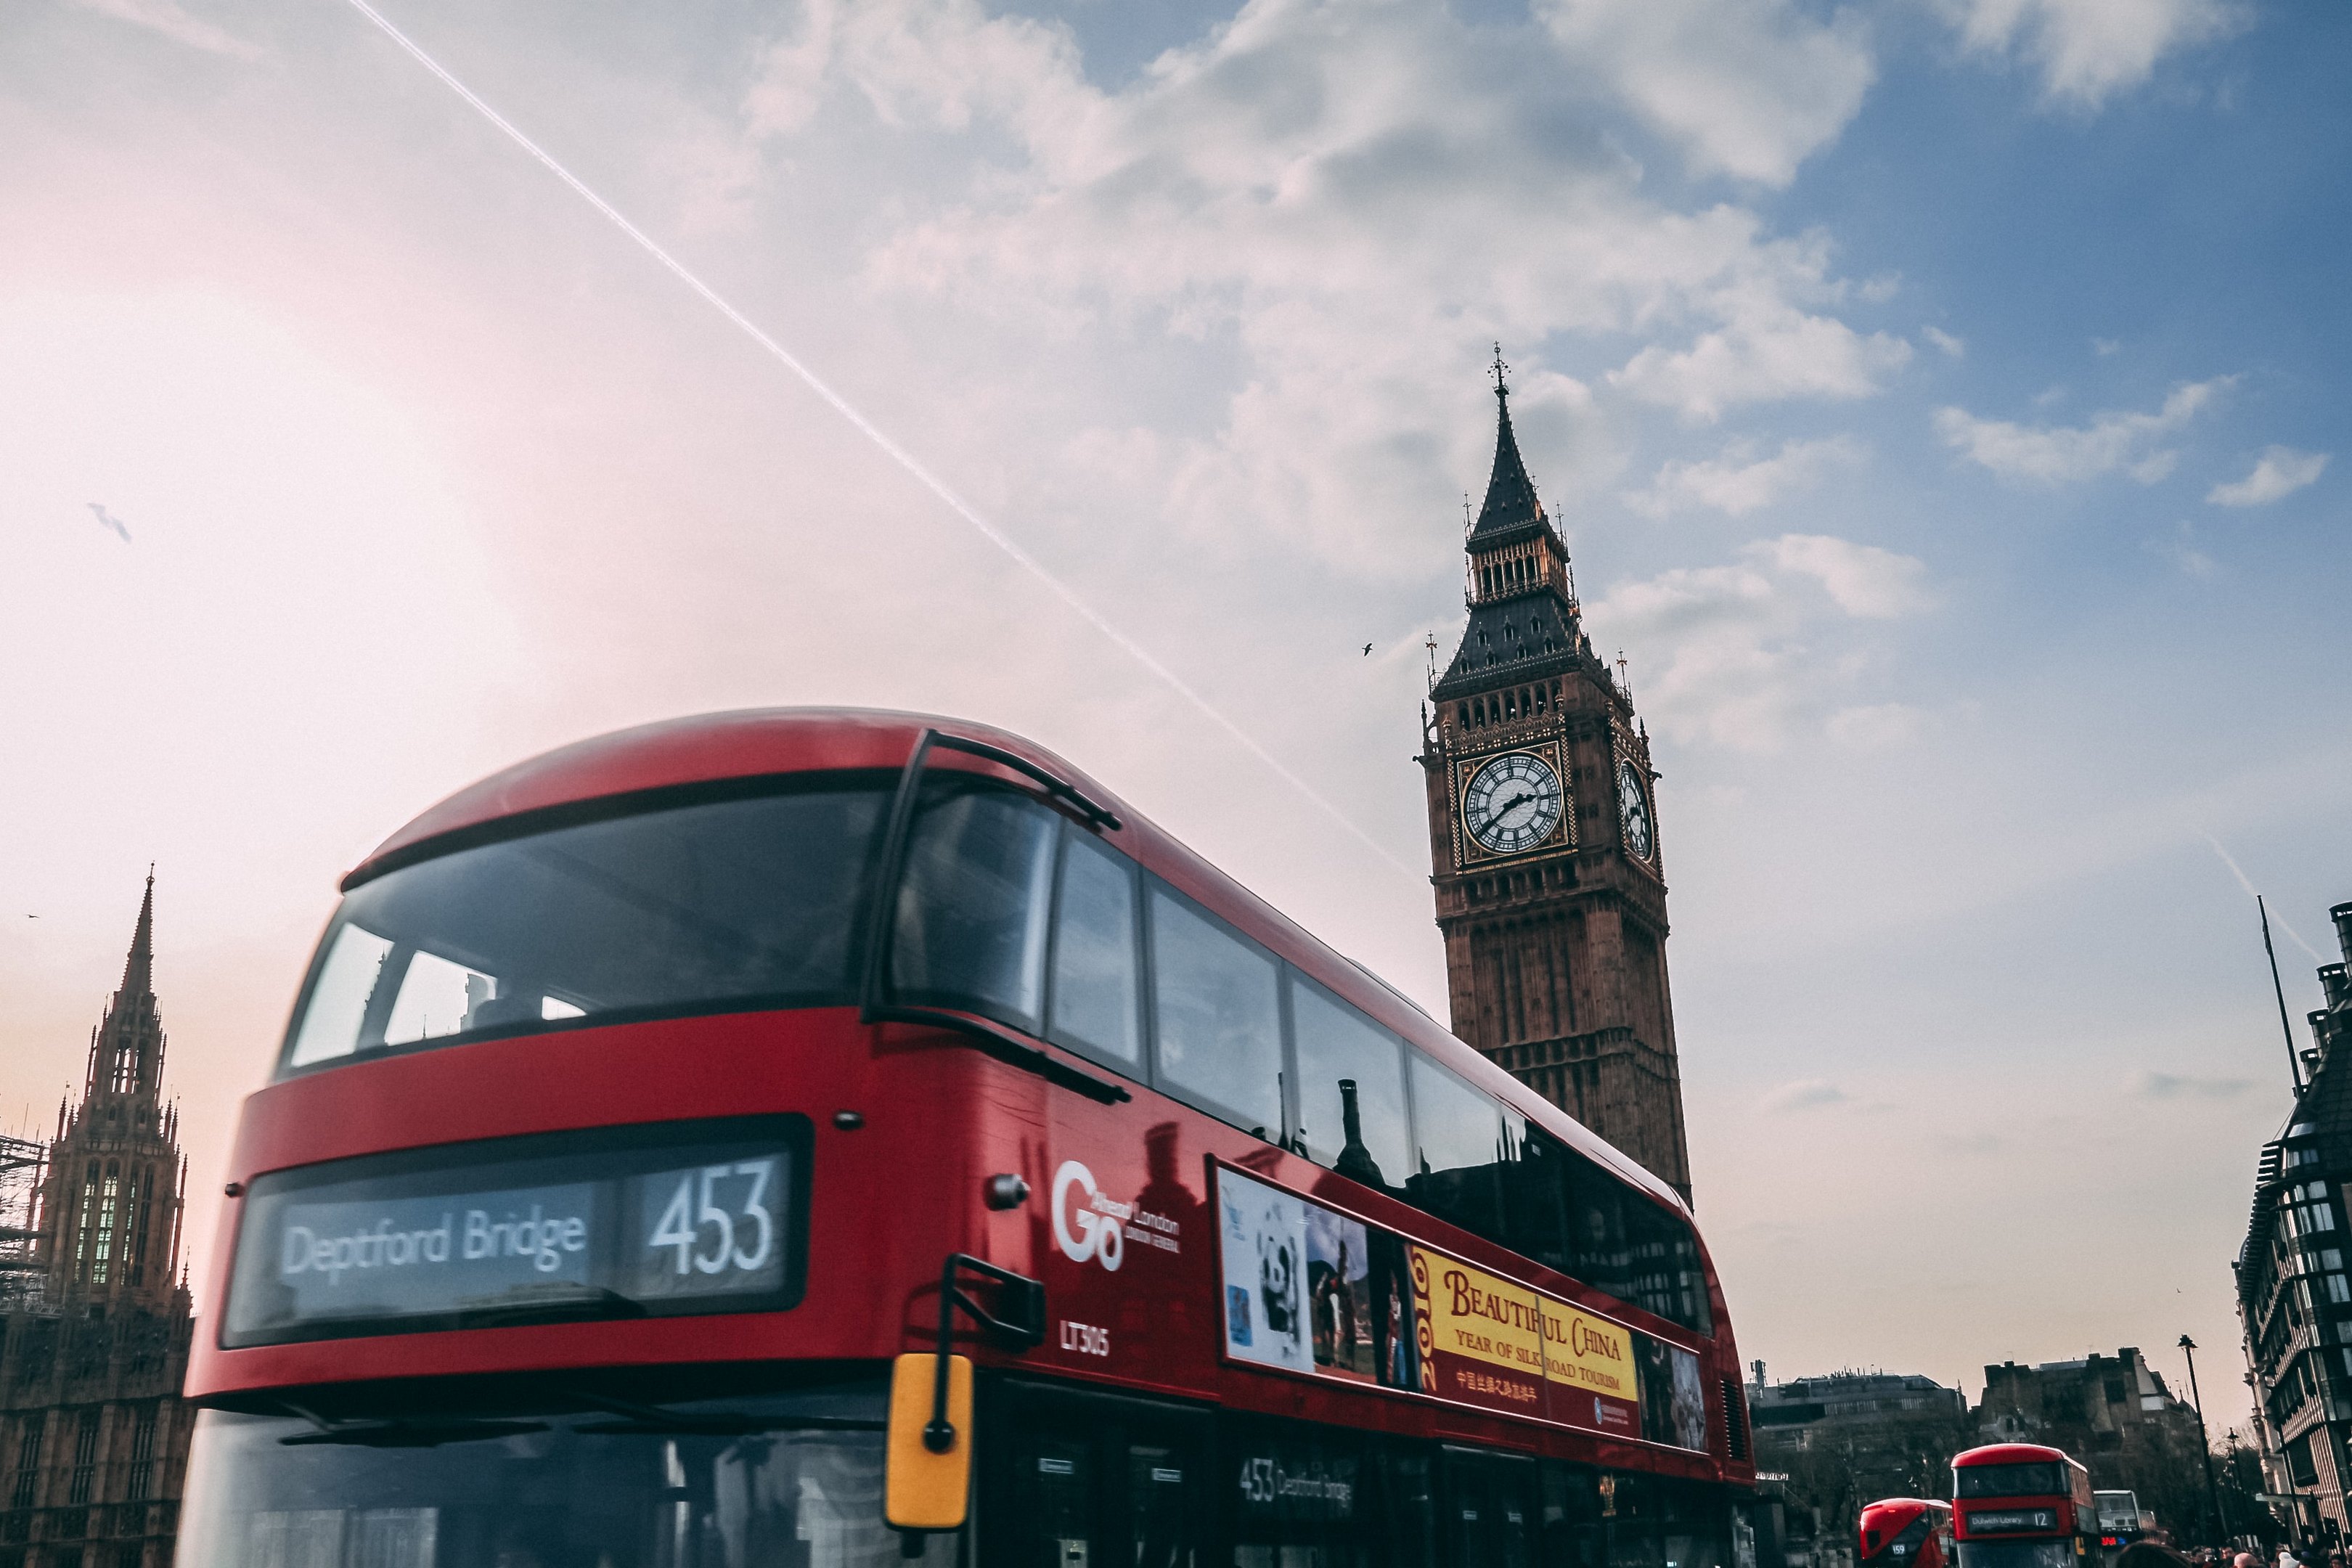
[1939, 398]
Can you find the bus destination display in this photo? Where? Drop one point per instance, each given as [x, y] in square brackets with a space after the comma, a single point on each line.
[486, 1234]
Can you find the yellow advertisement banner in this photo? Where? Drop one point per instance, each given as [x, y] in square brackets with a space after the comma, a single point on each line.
[1482, 1335]
[1588, 1353]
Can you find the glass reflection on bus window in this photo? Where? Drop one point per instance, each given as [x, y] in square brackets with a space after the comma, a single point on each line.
[687, 908]
[549, 1490]
[1352, 1106]
[2043, 1479]
[973, 903]
[1219, 1016]
[1459, 1134]
[1095, 1000]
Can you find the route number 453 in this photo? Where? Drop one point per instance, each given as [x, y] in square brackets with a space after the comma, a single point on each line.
[711, 1234]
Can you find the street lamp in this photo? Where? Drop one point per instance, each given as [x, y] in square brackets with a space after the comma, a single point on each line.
[2204, 1443]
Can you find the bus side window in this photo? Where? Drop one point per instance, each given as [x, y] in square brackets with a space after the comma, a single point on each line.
[1459, 1134]
[1535, 1197]
[1217, 1017]
[1405, 1517]
[1299, 1496]
[1351, 1114]
[1668, 1280]
[1598, 1252]
[1094, 995]
[1569, 1534]
[970, 927]
[1490, 1514]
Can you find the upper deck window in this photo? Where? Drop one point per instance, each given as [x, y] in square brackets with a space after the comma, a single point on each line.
[2011, 1481]
[714, 906]
[1218, 1008]
[1351, 1104]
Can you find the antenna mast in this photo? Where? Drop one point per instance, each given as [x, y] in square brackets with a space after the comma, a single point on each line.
[2294, 1063]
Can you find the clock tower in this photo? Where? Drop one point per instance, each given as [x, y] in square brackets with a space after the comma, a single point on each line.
[1543, 831]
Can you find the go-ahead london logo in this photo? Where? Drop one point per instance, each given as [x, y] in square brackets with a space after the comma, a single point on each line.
[1086, 1225]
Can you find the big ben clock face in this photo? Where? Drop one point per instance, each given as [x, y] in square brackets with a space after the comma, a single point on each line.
[1633, 811]
[1512, 804]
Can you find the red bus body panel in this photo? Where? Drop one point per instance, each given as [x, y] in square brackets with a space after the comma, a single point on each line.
[1883, 1521]
[891, 1198]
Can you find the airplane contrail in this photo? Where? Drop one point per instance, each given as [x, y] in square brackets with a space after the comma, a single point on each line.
[2254, 892]
[874, 433]
[109, 521]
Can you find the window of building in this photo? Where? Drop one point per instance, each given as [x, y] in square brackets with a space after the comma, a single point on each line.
[29, 1433]
[142, 1457]
[85, 1459]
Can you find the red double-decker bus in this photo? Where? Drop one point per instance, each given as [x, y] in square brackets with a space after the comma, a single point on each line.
[829, 1138]
[1905, 1532]
[2022, 1505]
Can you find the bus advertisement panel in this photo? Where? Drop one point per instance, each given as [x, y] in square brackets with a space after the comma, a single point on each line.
[1310, 1289]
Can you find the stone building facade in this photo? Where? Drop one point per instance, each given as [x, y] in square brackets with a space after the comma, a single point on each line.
[95, 1326]
[2294, 1293]
[1544, 838]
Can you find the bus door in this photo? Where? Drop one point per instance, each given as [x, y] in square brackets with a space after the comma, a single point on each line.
[1489, 1509]
[1091, 1480]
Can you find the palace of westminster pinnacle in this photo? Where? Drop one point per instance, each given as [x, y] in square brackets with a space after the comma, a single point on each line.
[94, 1313]
[1543, 833]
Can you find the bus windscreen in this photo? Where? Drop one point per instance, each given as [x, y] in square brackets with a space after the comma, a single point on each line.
[696, 908]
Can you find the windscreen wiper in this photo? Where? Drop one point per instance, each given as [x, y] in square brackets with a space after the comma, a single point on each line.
[634, 1418]
[597, 1306]
[405, 1431]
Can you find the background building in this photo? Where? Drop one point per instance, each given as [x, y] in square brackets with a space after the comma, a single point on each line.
[2118, 1416]
[94, 1318]
[2294, 1302]
[1544, 836]
[1848, 1438]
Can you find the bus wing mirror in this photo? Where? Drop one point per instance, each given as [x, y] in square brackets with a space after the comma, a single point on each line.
[926, 1486]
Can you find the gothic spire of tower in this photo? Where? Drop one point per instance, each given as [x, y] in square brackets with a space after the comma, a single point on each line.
[126, 1050]
[1510, 495]
[139, 969]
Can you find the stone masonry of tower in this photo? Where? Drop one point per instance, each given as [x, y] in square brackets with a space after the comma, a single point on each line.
[93, 1435]
[1551, 886]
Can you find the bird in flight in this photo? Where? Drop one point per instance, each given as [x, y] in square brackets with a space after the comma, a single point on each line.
[108, 519]
[1367, 650]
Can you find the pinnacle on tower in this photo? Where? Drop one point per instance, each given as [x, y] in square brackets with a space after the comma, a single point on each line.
[1510, 495]
[139, 969]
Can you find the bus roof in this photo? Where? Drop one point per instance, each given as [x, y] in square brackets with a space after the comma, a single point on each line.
[2013, 1453]
[763, 741]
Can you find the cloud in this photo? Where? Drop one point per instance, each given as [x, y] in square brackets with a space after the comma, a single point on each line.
[1737, 481]
[1956, 347]
[1747, 88]
[1768, 356]
[1723, 654]
[1805, 1094]
[2086, 50]
[168, 19]
[2055, 455]
[2172, 1086]
[2279, 472]
[2179, 547]
[1879, 728]
[1285, 199]
[1864, 580]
